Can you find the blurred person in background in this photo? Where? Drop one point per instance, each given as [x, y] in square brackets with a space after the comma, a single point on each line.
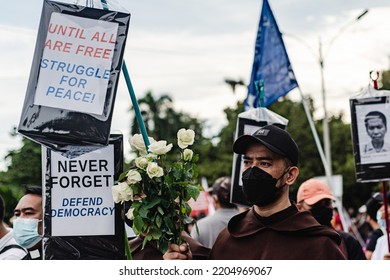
[315, 196]
[373, 204]
[207, 229]
[382, 247]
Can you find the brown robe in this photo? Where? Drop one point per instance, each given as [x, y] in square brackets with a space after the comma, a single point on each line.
[286, 235]
[151, 252]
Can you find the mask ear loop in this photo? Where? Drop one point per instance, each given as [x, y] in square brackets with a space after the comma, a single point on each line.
[284, 173]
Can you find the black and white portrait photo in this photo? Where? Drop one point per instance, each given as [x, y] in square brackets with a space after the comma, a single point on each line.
[374, 140]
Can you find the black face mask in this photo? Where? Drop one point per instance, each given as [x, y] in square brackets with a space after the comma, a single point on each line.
[259, 187]
[323, 215]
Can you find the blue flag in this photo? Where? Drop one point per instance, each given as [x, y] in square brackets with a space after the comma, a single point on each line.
[272, 73]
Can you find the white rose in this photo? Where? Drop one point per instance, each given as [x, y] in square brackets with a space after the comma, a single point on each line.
[188, 154]
[133, 177]
[154, 170]
[130, 214]
[137, 143]
[141, 162]
[160, 147]
[185, 137]
[122, 192]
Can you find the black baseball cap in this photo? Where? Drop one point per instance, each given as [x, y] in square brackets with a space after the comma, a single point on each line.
[373, 204]
[274, 138]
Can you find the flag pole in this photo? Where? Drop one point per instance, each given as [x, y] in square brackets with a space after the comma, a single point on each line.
[135, 105]
[315, 135]
[322, 155]
[259, 85]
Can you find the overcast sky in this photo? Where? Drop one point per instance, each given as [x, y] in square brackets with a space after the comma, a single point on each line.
[187, 48]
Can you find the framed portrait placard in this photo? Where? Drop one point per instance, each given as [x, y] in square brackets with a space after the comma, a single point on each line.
[371, 139]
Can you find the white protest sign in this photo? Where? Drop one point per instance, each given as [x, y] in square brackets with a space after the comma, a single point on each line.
[76, 62]
[81, 197]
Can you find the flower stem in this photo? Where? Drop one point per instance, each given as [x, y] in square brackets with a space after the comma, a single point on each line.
[181, 220]
[127, 247]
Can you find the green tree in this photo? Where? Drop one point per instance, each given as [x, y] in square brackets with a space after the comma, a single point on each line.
[24, 169]
[385, 80]
[218, 154]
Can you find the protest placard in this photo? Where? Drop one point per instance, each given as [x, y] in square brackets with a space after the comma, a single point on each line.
[74, 76]
[79, 209]
[371, 141]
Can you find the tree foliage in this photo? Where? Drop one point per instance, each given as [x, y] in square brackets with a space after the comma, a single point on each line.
[385, 80]
[24, 169]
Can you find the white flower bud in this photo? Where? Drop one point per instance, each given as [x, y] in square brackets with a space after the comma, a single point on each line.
[187, 155]
[130, 214]
[141, 162]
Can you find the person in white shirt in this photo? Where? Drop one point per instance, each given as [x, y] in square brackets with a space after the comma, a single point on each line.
[382, 247]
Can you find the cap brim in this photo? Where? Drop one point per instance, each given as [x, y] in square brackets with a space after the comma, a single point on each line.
[243, 142]
[315, 199]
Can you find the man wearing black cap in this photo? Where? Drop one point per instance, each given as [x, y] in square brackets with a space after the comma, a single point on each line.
[273, 228]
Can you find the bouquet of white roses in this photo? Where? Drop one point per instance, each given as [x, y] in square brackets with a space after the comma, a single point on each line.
[160, 190]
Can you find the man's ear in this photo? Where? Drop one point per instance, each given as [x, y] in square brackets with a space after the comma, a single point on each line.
[292, 175]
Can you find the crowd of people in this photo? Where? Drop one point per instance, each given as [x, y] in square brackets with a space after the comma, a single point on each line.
[275, 227]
